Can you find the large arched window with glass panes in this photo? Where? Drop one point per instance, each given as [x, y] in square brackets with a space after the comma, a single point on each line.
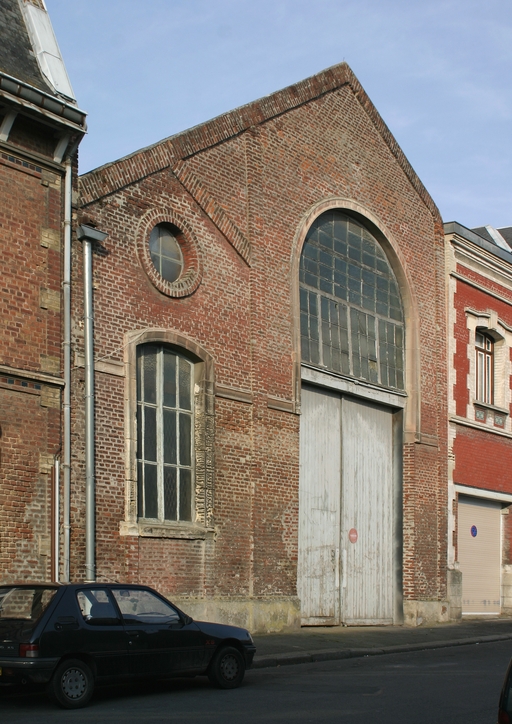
[165, 439]
[351, 311]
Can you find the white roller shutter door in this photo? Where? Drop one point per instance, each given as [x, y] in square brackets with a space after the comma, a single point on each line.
[479, 553]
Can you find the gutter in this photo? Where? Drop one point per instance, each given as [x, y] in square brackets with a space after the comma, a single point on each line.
[56, 109]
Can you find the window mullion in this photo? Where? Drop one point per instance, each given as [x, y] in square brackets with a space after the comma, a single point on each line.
[178, 438]
[160, 433]
[142, 423]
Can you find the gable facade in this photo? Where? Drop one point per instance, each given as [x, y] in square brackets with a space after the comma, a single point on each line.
[209, 413]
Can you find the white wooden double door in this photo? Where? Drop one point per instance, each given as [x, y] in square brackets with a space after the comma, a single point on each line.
[346, 511]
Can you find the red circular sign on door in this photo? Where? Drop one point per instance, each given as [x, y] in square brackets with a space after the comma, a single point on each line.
[352, 535]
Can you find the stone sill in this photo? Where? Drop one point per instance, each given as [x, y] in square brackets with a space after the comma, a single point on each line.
[494, 408]
[148, 529]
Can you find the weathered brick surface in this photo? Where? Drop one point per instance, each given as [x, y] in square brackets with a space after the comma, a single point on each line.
[30, 342]
[254, 175]
[27, 430]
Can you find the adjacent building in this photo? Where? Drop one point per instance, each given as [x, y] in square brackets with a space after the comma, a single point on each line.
[480, 428]
[40, 128]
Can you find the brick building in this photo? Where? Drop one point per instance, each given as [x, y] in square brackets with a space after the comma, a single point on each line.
[245, 403]
[480, 428]
[270, 386]
[40, 127]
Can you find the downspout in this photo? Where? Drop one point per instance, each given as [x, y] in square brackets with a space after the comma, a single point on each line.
[88, 234]
[56, 520]
[66, 346]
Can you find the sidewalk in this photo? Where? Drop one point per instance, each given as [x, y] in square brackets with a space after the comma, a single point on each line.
[341, 642]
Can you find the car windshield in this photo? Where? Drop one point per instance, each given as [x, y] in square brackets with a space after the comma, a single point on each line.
[25, 604]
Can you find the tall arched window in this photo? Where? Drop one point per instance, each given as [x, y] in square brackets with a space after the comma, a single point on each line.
[165, 437]
[350, 306]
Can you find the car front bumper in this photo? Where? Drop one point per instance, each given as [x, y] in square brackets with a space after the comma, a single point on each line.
[249, 652]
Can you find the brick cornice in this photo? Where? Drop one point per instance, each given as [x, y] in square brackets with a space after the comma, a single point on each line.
[168, 152]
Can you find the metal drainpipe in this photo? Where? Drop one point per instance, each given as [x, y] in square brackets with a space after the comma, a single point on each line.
[66, 345]
[56, 520]
[89, 234]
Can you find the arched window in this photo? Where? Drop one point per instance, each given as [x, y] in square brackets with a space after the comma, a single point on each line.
[166, 252]
[165, 437]
[350, 306]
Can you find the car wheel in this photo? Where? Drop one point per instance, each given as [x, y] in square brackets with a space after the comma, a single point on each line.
[227, 668]
[72, 684]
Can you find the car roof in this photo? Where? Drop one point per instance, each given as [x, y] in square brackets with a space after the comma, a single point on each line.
[30, 584]
[74, 584]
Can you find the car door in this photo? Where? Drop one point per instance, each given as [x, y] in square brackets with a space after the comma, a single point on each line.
[160, 641]
[102, 634]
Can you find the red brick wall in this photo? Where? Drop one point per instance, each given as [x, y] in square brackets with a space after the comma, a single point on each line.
[469, 297]
[483, 460]
[263, 181]
[30, 343]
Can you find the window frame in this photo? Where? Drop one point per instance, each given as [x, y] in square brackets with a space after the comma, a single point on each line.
[158, 255]
[202, 523]
[484, 368]
[375, 345]
[181, 412]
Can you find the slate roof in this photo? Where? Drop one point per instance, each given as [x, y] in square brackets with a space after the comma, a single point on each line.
[505, 232]
[16, 55]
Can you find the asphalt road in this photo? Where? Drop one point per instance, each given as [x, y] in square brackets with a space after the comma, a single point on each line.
[457, 685]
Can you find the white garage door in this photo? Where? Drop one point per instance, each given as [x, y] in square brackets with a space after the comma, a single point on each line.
[346, 511]
[319, 507]
[479, 552]
[367, 514]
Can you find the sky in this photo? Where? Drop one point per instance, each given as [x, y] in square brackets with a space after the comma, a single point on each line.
[438, 71]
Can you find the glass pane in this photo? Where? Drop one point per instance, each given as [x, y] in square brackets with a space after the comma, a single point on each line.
[169, 269]
[185, 495]
[185, 439]
[352, 267]
[139, 431]
[170, 493]
[23, 604]
[169, 379]
[170, 436]
[154, 241]
[150, 433]
[143, 606]
[150, 492]
[185, 373]
[139, 372]
[140, 490]
[165, 253]
[149, 377]
[169, 245]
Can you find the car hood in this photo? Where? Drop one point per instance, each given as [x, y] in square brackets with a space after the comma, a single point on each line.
[223, 631]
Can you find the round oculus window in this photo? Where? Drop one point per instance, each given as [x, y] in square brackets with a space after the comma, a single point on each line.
[166, 252]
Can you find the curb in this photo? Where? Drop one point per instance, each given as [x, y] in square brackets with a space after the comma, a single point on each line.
[309, 657]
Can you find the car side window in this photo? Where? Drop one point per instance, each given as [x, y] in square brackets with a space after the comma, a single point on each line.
[140, 606]
[96, 607]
